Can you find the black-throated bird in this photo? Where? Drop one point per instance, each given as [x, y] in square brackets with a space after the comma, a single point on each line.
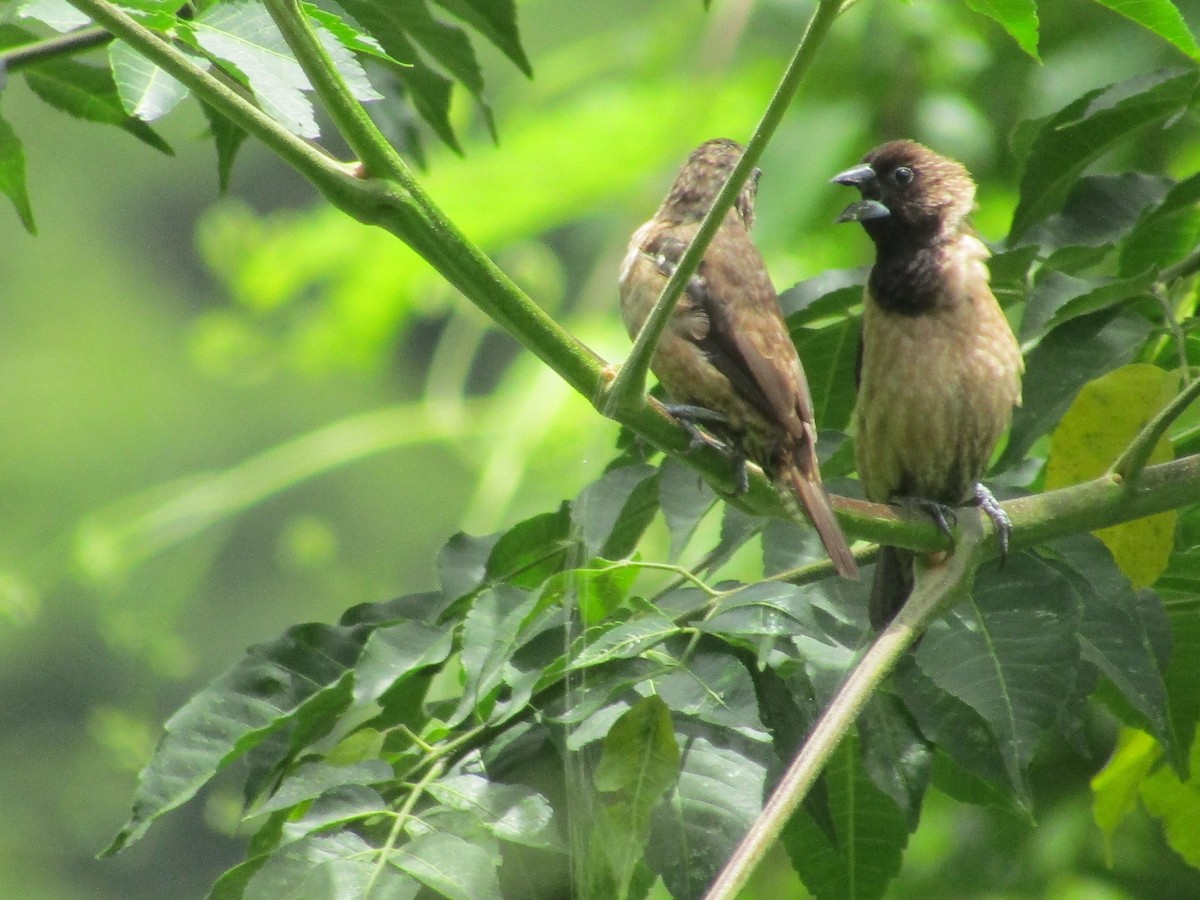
[726, 355]
[939, 367]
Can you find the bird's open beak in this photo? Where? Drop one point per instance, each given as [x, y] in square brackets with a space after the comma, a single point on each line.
[864, 178]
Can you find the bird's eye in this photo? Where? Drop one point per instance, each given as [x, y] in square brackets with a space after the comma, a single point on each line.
[902, 175]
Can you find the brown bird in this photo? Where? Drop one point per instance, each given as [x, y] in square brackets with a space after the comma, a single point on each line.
[726, 355]
[939, 368]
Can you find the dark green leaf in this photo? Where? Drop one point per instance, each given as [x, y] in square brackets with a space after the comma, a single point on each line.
[897, 758]
[327, 867]
[12, 174]
[1078, 133]
[596, 592]
[314, 778]
[962, 735]
[394, 652]
[1057, 298]
[496, 20]
[613, 512]
[1099, 210]
[1166, 233]
[533, 550]
[462, 563]
[346, 804]
[832, 293]
[1179, 587]
[719, 793]
[273, 687]
[638, 763]
[228, 139]
[624, 641]
[453, 867]
[1009, 653]
[511, 812]
[715, 688]
[489, 637]
[88, 92]
[1019, 18]
[1113, 635]
[788, 545]
[1067, 359]
[830, 358]
[767, 608]
[870, 834]
[685, 498]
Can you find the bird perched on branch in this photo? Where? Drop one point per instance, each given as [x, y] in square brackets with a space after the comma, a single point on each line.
[725, 355]
[939, 368]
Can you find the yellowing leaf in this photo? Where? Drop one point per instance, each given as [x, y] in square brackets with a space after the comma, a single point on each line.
[1101, 422]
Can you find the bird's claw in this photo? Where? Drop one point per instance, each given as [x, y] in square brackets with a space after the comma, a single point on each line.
[943, 516]
[688, 415]
[987, 502]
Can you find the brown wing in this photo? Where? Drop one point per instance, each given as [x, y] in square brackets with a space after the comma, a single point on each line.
[748, 339]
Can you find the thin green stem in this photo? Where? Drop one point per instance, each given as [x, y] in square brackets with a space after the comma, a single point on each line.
[379, 158]
[626, 390]
[936, 589]
[1129, 465]
[79, 41]
[402, 817]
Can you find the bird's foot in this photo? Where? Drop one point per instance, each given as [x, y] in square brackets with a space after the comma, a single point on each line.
[689, 415]
[987, 501]
[943, 516]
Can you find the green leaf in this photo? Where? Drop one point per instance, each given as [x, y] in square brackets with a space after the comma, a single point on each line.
[228, 139]
[897, 758]
[715, 688]
[327, 867]
[1106, 415]
[496, 20]
[58, 14]
[830, 357]
[766, 608]
[344, 804]
[511, 812]
[308, 667]
[719, 793]
[146, 91]
[1009, 653]
[455, 868]
[685, 498]
[1116, 632]
[638, 763]
[1166, 233]
[595, 592]
[1078, 133]
[242, 33]
[613, 512]
[624, 641]
[1160, 16]
[1179, 586]
[314, 778]
[490, 635]
[462, 563]
[1116, 787]
[870, 834]
[1065, 360]
[1176, 803]
[1099, 210]
[12, 174]
[533, 550]
[395, 652]
[1057, 298]
[1019, 18]
[88, 92]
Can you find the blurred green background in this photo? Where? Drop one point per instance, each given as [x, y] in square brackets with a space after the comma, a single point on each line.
[223, 416]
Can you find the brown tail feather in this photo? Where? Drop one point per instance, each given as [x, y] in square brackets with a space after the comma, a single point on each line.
[810, 492]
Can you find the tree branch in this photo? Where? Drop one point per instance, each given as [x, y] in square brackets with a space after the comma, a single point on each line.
[936, 589]
[68, 44]
[1129, 465]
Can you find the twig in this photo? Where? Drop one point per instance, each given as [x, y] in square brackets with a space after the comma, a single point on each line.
[1129, 465]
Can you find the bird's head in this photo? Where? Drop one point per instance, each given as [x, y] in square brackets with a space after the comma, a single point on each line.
[700, 180]
[908, 188]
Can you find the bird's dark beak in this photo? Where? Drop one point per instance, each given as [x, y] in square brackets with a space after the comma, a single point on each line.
[866, 180]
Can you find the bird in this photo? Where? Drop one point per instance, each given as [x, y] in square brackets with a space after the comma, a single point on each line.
[939, 369]
[725, 356]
